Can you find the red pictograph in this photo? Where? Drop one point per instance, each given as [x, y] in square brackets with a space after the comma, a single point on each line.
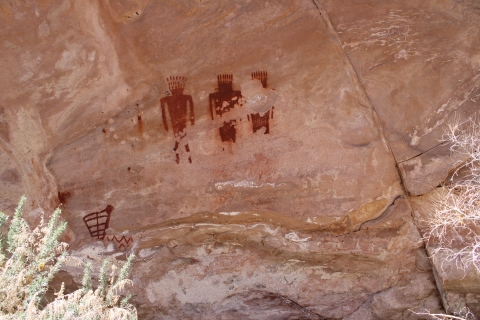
[123, 242]
[97, 222]
[179, 107]
[221, 102]
[261, 121]
[260, 75]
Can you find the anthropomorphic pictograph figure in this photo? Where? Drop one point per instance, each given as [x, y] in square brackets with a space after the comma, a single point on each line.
[261, 121]
[221, 101]
[179, 107]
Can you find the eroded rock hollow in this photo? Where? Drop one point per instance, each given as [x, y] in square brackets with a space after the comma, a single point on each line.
[262, 159]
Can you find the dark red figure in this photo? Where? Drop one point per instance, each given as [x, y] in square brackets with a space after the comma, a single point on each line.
[259, 121]
[178, 105]
[97, 222]
[228, 131]
[222, 101]
[122, 242]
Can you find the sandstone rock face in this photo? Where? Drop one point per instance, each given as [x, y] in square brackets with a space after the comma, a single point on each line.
[256, 156]
[419, 64]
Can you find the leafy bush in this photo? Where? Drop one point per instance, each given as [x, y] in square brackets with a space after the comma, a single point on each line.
[29, 259]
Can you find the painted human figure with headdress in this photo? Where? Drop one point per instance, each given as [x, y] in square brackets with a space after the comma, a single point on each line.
[261, 120]
[179, 107]
[221, 102]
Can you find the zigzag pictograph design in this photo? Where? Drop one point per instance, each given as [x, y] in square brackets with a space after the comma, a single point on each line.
[123, 242]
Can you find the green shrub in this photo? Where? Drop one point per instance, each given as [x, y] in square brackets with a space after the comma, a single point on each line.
[29, 259]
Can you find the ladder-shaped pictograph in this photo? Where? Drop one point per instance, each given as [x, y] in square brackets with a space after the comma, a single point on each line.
[97, 222]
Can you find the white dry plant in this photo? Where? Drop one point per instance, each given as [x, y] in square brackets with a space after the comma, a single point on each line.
[463, 314]
[29, 259]
[453, 228]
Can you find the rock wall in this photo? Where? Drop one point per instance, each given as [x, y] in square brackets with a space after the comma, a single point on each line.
[260, 158]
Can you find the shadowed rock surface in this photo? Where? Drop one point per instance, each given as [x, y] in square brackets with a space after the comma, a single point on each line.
[285, 194]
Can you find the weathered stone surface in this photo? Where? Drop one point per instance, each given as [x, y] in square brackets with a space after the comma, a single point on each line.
[282, 202]
[419, 64]
[241, 270]
[11, 180]
[430, 169]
